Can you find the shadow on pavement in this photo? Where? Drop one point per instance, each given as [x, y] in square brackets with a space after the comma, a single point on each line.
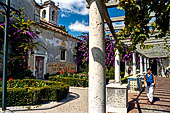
[71, 96]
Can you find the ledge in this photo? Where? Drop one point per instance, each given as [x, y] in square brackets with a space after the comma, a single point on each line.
[116, 85]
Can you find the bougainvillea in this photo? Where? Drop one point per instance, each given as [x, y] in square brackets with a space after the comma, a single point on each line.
[20, 41]
[83, 51]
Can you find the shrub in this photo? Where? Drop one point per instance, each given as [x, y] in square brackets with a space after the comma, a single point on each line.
[28, 92]
[125, 80]
[110, 73]
[77, 82]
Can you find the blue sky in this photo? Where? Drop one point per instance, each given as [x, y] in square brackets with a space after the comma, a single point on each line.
[75, 16]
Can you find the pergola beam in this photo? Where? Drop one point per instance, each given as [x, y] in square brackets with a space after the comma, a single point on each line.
[122, 18]
[122, 27]
[115, 28]
[109, 22]
[118, 19]
[107, 19]
[113, 3]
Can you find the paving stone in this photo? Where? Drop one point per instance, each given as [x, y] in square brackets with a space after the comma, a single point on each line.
[77, 102]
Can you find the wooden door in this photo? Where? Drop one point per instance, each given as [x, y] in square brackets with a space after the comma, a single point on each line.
[39, 65]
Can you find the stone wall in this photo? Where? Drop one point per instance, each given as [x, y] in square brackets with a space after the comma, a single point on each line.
[116, 98]
[54, 68]
[51, 43]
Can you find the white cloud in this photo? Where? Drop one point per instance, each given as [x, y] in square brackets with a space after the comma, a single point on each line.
[64, 15]
[79, 26]
[74, 6]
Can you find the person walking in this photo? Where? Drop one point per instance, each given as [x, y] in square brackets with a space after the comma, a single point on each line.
[149, 83]
[167, 71]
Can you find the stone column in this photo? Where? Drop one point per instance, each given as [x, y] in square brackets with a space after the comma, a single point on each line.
[117, 67]
[141, 64]
[97, 87]
[126, 69]
[147, 62]
[145, 67]
[134, 64]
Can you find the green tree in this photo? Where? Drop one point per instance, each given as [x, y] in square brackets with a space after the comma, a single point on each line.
[139, 23]
[63, 28]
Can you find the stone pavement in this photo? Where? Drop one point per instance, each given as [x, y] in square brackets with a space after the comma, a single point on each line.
[161, 99]
[77, 102]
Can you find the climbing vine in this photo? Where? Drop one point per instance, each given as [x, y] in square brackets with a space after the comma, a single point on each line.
[20, 41]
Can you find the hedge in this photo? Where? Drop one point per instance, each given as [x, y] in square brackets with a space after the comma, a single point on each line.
[42, 91]
[77, 82]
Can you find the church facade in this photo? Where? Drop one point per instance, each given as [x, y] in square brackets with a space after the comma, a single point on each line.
[57, 49]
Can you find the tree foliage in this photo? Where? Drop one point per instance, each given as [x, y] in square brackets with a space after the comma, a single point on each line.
[63, 28]
[139, 23]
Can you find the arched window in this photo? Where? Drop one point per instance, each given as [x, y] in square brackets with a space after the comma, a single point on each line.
[53, 15]
[44, 14]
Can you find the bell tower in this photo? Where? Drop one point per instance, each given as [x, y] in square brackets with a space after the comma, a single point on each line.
[50, 12]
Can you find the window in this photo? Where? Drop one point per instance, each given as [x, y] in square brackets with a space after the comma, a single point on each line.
[53, 15]
[44, 14]
[63, 54]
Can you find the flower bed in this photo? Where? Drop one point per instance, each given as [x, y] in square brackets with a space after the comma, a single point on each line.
[32, 91]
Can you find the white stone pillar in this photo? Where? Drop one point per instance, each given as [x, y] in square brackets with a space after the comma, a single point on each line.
[126, 68]
[97, 86]
[141, 64]
[117, 67]
[145, 67]
[158, 68]
[134, 64]
[147, 62]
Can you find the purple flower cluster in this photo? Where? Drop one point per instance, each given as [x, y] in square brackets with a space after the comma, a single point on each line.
[83, 52]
